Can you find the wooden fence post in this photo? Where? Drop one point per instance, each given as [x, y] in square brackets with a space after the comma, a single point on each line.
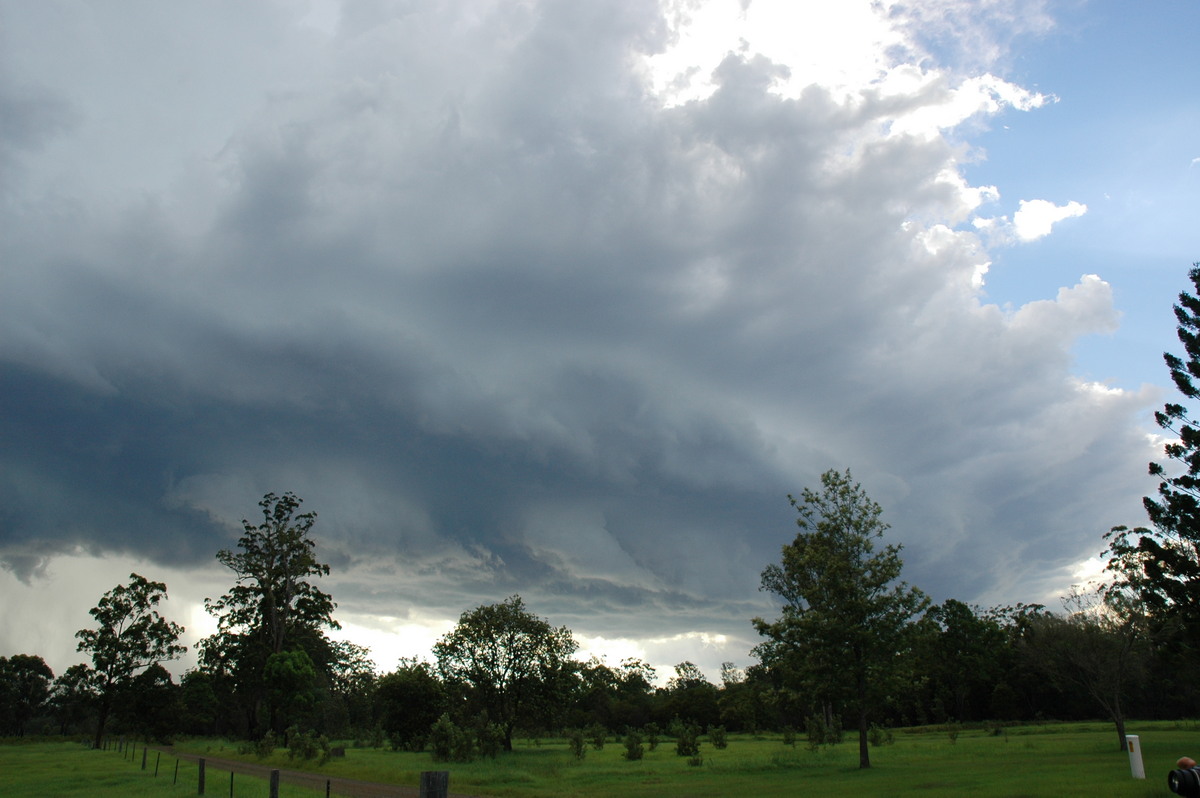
[274, 784]
[201, 792]
[144, 751]
[435, 783]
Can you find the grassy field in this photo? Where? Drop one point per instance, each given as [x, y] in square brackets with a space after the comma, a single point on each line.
[1049, 760]
[1027, 762]
[40, 770]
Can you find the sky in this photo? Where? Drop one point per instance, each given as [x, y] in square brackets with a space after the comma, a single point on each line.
[562, 299]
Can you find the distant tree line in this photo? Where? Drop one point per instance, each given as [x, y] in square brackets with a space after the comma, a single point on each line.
[853, 648]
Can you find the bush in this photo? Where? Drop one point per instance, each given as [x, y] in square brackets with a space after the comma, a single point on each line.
[652, 734]
[821, 733]
[952, 731]
[576, 742]
[597, 736]
[633, 746]
[718, 737]
[266, 746]
[789, 736]
[448, 742]
[676, 727]
[307, 745]
[877, 735]
[490, 738]
[688, 742]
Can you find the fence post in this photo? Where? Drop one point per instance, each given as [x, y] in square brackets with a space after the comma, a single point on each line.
[157, 759]
[144, 751]
[201, 792]
[435, 783]
[1133, 745]
[231, 784]
[274, 784]
[175, 778]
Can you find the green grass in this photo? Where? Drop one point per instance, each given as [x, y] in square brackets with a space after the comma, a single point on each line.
[71, 769]
[1026, 762]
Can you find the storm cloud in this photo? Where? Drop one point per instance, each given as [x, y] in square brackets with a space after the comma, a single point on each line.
[457, 275]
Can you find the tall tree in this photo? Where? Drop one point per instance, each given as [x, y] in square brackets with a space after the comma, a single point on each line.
[130, 635]
[1161, 565]
[273, 607]
[846, 614]
[1098, 647]
[508, 660]
[24, 687]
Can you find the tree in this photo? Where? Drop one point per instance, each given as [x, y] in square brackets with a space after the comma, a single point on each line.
[130, 635]
[410, 700]
[74, 697]
[508, 660]
[272, 607]
[1098, 646]
[151, 705]
[352, 684]
[691, 697]
[1161, 566]
[846, 614]
[961, 653]
[24, 687]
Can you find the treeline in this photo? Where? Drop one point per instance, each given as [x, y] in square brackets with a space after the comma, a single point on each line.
[853, 647]
[504, 669]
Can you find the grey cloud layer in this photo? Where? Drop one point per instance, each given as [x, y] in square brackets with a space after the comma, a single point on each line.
[509, 325]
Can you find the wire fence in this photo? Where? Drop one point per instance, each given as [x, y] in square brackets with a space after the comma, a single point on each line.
[218, 777]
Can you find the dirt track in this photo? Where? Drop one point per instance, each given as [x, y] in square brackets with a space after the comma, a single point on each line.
[215, 767]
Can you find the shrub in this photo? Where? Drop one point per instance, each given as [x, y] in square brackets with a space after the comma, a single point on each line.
[307, 745]
[652, 734]
[676, 727]
[688, 742]
[576, 742]
[449, 743]
[718, 737]
[877, 735]
[597, 736]
[633, 745]
[952, 731]
[490, 738]
[821, 733]
[789, 736]
[266, 746]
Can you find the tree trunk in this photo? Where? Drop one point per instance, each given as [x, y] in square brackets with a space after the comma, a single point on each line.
[864, 753]
[102, 718]
[1119, 718]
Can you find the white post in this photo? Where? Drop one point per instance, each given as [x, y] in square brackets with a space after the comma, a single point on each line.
[1135, 756]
